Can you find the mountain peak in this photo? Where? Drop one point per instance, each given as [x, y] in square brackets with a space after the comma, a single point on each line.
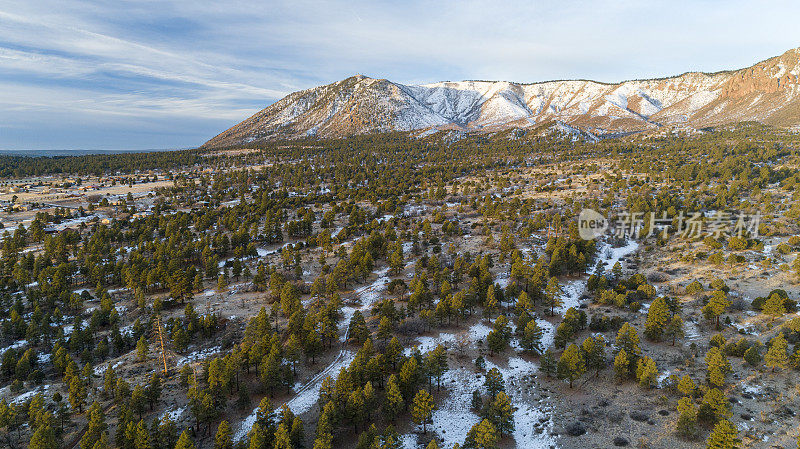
[768, 92]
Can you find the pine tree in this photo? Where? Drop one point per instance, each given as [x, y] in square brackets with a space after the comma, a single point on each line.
[571, 365]
[490, 305]
[646, 372]
[224, 438]
[657, 319]
[687, 418]
[95, 428]
[409, 377]
[499, 337]
[674, 329]
[501, 413]
[616, 270]
[717, 367]
[77, 393]
[552, 295]
[394, 399]
[776, 354]
[356, 411]
[753, 356]
[184, 442]
[439, 363]
[103, 443]
[548, 363]
[723, 436]
[138, 400]
[594, 353]
[686, 386]
[774, 306]
[282, 439]
[422, 409]
[532, 336]
[482, 436]
[141, 349]
[494, 382]
[357, 329]
[628, 340]
[153, 392]
[714, 406]
[142, 438]
[477, 401]
[257, 437]
[296, 432]
[44, 437]
[716, 306]
[621, 365]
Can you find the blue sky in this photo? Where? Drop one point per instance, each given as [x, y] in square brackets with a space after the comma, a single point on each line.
[118, 74]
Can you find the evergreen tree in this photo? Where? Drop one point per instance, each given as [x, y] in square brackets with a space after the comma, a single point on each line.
[686, 386]
[716, 306]
[687, 418]
[184, 442]
[142, 437]
[44, 437]
[753, 356]
[717, 367]
[282, 438]
[499, 337]
[776, 354]
[422, 409]
[224, 438]
[774, 306]
[357, 330]
[553, 294]
[621, 365]
[594, 353]
[394, 399]
[674, 329]
[494, 382]
[714, 406]
[723, 436]
[95, 428]
[482, 436]
[501, 413]
[77, 393]
[571, 365]
[548, 363]
[657, 319]
[141, 349]
[532, 336]
[646, 372]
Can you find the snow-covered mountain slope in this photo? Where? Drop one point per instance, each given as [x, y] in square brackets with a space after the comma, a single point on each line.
[767, 92]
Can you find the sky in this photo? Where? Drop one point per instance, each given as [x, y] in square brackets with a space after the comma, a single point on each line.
[156, 74]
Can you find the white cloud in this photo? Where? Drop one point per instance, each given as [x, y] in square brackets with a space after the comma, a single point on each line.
[224, 60]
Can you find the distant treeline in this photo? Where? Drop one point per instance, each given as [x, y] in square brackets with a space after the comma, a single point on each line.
[97, 164]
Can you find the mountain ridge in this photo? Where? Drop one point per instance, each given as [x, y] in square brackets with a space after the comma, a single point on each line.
[767, 92]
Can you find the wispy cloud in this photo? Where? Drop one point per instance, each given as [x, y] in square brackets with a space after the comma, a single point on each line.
[166, 73]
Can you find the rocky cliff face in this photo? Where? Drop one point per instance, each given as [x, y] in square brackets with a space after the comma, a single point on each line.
[766, 92]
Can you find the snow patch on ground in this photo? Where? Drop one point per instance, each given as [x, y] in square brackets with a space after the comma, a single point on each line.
[24, 397]
[199, 355]
[610, 256]
[16, 345]
[573, 290]
[173, 414]
[453, 418]
[548, 333]
[427, 344]
[479, 331]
